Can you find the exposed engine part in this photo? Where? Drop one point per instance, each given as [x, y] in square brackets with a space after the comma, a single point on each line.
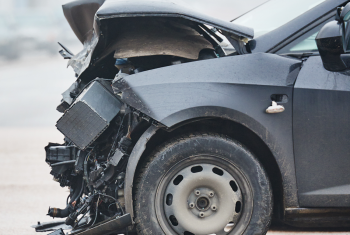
[62, 160]
[106, 176]
[95, 175]
[75, 195]
[83, 207]
[58, 153]
[62, 172]
[119, 190]
[124, 145]
[79, 163]
[153, 36]
[88, 117]
[115, 159]
[124, 66]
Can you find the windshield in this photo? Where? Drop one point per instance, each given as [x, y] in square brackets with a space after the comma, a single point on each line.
[275, 13]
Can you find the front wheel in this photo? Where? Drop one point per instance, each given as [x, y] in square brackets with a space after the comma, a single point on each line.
[202, 184]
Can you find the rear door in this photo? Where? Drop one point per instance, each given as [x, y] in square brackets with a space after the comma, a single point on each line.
[321, 135]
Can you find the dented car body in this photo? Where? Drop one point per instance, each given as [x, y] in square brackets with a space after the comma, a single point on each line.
[167, 133]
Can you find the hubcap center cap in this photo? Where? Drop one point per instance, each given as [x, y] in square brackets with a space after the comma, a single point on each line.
[203, 203]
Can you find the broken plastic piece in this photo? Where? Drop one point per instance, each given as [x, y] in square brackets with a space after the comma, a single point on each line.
[65, 53]
[57, 232]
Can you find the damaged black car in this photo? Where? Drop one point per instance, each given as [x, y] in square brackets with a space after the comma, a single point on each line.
[180, 123]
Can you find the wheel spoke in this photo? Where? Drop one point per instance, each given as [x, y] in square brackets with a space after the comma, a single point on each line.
[222, 232]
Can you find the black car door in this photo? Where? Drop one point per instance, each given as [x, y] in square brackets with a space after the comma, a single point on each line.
[321, 135]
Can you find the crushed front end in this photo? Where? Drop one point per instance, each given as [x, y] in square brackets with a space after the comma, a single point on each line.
[100, 129]
[92, 160]
[99, 132]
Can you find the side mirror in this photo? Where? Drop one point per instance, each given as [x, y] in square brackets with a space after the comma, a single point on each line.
[333, 41]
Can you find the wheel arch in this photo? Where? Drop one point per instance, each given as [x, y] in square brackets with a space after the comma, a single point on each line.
[154, 136]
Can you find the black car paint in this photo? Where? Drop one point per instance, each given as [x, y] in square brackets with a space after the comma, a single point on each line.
[240, 88]
[237, 88]
[143, 90]
[321, 128]
[175, 91]
[330, 44]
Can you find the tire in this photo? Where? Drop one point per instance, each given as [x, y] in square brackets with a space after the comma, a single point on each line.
[202, 184]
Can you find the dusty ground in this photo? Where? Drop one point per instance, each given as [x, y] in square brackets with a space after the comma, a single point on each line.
[26, 188]
[29, 93]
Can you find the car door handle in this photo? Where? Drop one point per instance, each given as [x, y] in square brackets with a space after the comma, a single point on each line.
[275, 108]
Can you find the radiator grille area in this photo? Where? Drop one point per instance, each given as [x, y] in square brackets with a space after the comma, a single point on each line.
[81, 125]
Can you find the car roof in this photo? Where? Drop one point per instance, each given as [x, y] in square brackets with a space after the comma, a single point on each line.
[271, 40]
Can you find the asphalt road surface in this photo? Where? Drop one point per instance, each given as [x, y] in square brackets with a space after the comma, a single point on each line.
[29, 92]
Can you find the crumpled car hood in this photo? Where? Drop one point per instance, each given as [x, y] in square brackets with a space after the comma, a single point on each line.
[96, 45]
[115, 8]
[80, 16]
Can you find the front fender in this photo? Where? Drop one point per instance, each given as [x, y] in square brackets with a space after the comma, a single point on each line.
[229, 82]
[238, 88]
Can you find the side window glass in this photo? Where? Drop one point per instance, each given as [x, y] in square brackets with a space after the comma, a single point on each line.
[305, 43]
[308, 44]
[347, 46]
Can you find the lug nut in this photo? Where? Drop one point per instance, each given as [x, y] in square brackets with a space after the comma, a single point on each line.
[213, 207]
[201, 214]
[191, 205]
[197, 192]
[211, 194]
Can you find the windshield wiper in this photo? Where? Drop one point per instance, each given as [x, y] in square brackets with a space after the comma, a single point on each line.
[301, 55]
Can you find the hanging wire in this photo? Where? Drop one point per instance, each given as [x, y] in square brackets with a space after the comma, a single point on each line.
[116, 138]
[98, 200]
[87, 210]
[121, 208]
[67, 199]
[104, 195]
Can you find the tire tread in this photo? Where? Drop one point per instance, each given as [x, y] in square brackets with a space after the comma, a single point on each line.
[146, 161]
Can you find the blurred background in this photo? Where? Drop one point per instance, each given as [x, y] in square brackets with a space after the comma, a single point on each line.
[33, 76]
